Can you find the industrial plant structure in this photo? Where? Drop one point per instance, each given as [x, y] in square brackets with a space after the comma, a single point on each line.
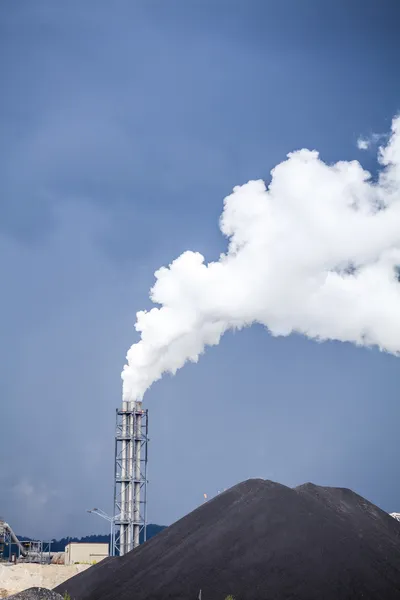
[36, 551]
[8, 538]
[129, 518]
[130, 482]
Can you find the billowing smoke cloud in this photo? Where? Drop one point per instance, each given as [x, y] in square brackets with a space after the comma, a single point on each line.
[316, 252]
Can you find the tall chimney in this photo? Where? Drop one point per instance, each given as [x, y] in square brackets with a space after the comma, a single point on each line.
[130, 482]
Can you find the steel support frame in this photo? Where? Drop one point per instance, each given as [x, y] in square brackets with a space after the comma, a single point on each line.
[129, 520]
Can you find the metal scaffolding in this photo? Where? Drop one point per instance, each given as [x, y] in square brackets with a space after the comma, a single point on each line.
[130, 478]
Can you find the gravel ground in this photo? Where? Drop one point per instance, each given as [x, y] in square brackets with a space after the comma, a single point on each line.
[16, 578]
[260, 541]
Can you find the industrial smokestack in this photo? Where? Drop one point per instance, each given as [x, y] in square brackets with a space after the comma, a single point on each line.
[317, 252]
[130, 486]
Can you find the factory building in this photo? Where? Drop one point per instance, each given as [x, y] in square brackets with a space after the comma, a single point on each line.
[77, 552]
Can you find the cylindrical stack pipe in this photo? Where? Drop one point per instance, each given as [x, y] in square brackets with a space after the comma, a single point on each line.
[124, 492]
[137, 479]
[130, 472]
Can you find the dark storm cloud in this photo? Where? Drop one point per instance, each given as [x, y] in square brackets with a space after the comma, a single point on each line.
[123, 126]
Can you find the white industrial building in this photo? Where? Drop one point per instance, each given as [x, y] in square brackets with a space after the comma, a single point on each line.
[80, 553]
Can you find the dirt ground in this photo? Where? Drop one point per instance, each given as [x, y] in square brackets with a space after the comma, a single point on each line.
[16, 578]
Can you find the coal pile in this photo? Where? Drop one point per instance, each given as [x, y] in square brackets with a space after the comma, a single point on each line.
[260, 541]
[36, 593]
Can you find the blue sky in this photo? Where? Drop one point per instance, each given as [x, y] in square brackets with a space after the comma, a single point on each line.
[123, 127]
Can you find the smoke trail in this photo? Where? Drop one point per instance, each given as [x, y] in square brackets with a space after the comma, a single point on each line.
[317, 252]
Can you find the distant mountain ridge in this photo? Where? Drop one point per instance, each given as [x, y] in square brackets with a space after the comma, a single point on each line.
[59, 545]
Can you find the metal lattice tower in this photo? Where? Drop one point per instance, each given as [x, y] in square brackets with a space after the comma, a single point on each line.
[130, 481]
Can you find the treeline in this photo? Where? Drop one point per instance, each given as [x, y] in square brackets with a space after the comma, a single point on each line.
[59, 545]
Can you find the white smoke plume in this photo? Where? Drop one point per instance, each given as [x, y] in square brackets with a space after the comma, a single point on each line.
[316, 252]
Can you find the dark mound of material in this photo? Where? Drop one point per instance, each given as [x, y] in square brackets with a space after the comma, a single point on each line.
[102, 572]
[36, 593]
[260, 541]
